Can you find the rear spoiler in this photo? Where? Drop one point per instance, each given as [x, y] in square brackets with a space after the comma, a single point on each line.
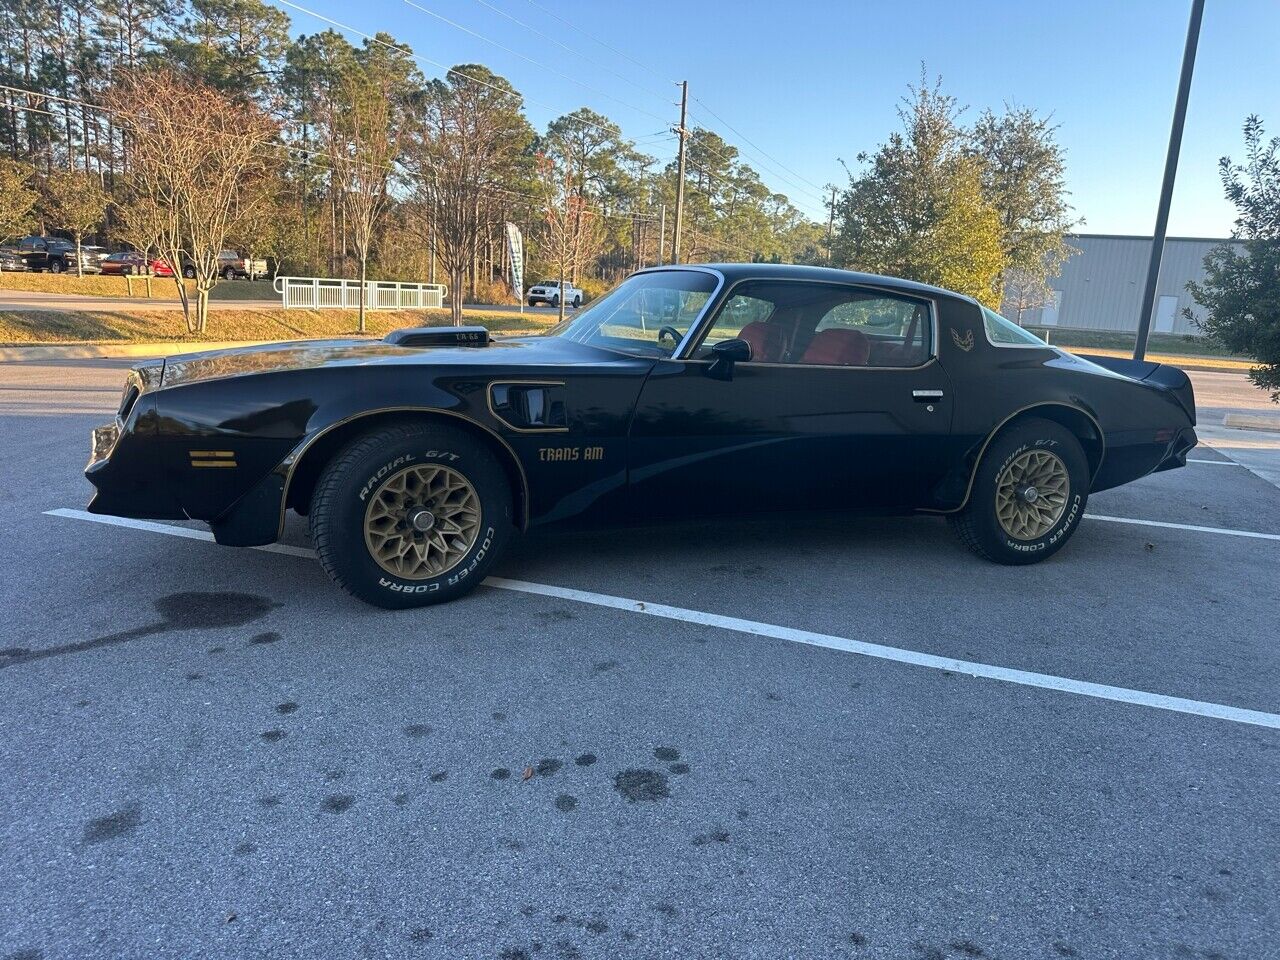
[439, 337]
[1162, 375]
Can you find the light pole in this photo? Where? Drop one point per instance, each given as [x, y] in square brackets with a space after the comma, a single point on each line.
[1170, 171]
[675, 235]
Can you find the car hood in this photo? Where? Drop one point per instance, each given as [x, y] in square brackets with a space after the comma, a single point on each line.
[536, 353]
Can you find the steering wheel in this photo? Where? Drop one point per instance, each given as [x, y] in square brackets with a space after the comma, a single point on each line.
[668, 330]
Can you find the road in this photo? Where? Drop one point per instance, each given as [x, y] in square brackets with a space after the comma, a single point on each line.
[213, 753]
[65, 302]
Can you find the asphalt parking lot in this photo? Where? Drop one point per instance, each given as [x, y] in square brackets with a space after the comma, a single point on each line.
[746, 739]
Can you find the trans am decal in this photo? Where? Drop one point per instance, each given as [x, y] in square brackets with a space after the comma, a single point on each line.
[560, 454]
[965, 343]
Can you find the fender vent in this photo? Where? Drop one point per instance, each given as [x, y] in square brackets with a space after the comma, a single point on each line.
[439, 337]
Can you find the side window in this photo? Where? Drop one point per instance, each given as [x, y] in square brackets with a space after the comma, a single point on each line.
[738, 313]
[1006, 333]
[795, 322]
[897, 330]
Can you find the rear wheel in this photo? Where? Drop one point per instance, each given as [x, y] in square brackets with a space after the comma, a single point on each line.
[189, 272]
[577, 302]
[1028, 495]
[411, 514]
[555, 301]
[55, 266]
[229, 274]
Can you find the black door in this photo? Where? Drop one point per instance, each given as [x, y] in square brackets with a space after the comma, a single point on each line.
[843, 405]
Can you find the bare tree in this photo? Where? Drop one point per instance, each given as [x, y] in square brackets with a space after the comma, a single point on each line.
[594, 157]
[571, 231]
[142, 224]
[363, 148]
[193, 153]
[473, 136]
[1024, 291]
[151, 227]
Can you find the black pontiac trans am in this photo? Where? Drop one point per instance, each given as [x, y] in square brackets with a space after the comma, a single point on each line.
[691, 390]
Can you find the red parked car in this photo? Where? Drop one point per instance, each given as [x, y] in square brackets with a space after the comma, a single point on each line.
[128, 261]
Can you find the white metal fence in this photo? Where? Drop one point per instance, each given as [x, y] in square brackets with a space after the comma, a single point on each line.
[315, 293]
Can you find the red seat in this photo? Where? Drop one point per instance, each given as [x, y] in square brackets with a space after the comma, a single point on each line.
[842, 348]
[767, 340]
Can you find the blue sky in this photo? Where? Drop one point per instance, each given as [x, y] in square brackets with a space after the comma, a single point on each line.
[809, 81]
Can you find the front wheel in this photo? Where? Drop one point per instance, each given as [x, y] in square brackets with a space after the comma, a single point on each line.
[1028, 495]
[189, 272]
[555, 301]
[411, 514]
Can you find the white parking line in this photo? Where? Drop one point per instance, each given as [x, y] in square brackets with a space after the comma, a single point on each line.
[896, 654]
[1217, 463]
[1185, 526]
[877, 651]
[152, 526]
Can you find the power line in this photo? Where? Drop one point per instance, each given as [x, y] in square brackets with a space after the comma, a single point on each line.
[612, 49]
[577, 53]
[506, 91]
[306, 161]
[526, 57]
[757, 148]
[649, 70]
[705, 146]
[723, 244]
[292, 149]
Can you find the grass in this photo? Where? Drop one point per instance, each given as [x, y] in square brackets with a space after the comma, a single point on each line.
[162, 288]
[19, 327]
[1169, 344]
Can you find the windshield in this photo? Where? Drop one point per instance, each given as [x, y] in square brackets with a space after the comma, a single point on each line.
[647, 314]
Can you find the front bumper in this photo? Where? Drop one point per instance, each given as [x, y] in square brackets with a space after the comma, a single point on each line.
[127, 481]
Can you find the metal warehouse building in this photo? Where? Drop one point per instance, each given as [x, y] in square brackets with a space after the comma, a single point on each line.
[1100, 288]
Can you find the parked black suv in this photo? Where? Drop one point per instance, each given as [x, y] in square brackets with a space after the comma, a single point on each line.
[57, 255]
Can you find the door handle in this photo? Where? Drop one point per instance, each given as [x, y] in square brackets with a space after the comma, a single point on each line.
[926, 396]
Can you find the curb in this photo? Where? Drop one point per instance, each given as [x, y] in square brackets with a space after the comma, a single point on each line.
[1252, 421]
[1255, 450]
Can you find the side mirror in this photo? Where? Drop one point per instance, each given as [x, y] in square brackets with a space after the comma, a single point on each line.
[724, 355]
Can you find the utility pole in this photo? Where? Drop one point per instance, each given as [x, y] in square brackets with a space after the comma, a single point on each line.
[675, 234]
[1170, 171]
[433, 248]
[831, 223]
[662, 237]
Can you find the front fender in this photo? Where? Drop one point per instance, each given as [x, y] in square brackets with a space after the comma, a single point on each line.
[280, 416]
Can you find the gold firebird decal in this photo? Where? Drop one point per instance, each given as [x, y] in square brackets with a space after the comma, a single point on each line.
[965, 343]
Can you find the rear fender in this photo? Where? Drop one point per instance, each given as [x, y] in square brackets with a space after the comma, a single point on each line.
[1162, 375]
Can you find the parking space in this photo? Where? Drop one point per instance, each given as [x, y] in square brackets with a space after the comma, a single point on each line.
[214, 753]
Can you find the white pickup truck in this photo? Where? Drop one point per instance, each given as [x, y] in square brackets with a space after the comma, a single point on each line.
[550, 292]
